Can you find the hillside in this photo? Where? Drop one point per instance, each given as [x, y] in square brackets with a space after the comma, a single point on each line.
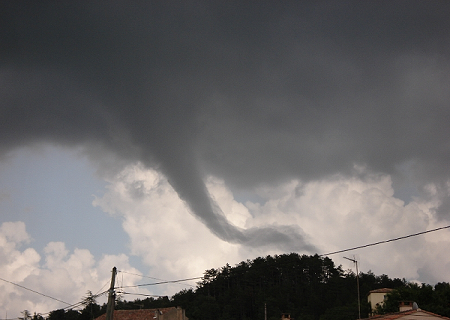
[306, 287]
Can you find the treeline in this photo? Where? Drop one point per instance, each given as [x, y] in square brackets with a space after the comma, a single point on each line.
[306, 287]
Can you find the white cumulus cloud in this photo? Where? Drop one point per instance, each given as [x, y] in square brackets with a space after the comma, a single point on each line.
[335, 213]
[54, 280]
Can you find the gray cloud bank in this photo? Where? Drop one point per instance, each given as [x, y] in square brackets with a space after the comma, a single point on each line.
[252, 93]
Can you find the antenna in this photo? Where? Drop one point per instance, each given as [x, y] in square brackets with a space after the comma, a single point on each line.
[357, 284]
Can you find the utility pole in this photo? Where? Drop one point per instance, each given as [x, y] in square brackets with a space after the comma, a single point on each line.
[357, 284]
[111, 296]
[265, 311]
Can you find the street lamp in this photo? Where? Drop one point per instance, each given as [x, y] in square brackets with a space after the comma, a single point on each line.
[357, 284]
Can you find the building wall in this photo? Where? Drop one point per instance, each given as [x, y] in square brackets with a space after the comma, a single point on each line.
[376, 298]
[170, 313]
[173, 314]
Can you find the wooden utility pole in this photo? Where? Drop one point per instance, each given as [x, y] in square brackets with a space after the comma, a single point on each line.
[111, 296]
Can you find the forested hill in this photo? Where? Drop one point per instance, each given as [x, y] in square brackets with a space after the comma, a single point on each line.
[306, 287]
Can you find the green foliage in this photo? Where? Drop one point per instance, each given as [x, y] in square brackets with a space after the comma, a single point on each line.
[71, 315]
[26, 315]
[306, 287]
[37, 316]
[148, 303]
[300, 285]
[91, 309]
[435, 299]
[346, 312]
[57, 315]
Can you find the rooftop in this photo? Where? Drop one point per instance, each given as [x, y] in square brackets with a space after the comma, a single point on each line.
[409, 315]
[141, 314]
[382, 290]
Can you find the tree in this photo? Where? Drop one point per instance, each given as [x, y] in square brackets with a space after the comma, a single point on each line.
[71, 315]
[91, 308]
[26, 315]
[306, 287]
[57, 315]
[37, 316]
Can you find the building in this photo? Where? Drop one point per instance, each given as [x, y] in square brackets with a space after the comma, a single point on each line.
[407, 305]
[377, 297]
[286, 316]
[172, 313]
[414, 314]
[408, 310]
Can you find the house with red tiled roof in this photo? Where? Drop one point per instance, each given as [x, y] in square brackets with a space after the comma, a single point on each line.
[415, 314]
[408, 310]
[377, 297]
[172, 313]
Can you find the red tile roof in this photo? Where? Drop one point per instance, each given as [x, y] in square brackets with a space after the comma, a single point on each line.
[382, 290]
[410, 314]
[141, 314]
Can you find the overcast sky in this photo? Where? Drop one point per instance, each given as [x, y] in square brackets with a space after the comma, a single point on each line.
[170, 138]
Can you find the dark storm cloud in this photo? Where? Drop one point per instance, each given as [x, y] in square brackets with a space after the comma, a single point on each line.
[250, 93]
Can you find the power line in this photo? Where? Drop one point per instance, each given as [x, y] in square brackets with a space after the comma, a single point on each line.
[321, 255]
[163, 282]
[101, 289]
[75, 305]
[83, 302]
[34, 291]
[71, 306]
[384, 241]
[141, 294]
[140, 275]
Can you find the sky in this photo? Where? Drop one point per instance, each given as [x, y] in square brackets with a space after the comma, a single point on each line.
[170, 138]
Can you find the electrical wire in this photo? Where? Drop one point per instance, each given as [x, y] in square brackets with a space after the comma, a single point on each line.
[142, 294]
[102, 288]
[34, 291]
[321, 255]
[83, 302]
[72, 306]
[77, 304]
[142, 276]
[163, 282]
[384, 241]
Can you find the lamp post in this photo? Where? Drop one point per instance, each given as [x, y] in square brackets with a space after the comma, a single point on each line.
[357, 284]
